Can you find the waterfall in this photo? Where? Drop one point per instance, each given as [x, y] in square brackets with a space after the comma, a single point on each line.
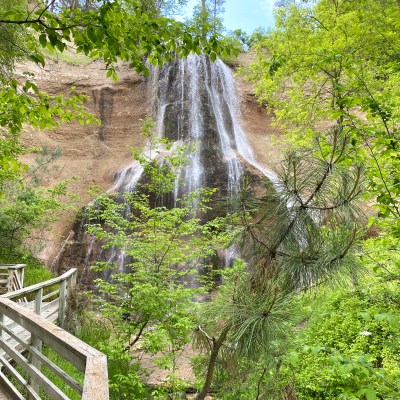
[194, 102]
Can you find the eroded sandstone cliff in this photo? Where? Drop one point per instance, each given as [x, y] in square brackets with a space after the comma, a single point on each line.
[94, 153]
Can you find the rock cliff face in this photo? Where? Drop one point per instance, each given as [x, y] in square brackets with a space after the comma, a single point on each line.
[96, 153]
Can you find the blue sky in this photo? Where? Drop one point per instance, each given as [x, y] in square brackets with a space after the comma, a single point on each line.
[248, 14]
[245, 14]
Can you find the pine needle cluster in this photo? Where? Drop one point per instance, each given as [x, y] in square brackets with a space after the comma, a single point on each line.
[304, 231]
[301, 233]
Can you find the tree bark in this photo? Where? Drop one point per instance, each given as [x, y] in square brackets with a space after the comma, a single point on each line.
[216, 346]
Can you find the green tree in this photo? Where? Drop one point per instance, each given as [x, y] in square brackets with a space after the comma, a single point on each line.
[12, 46]
[85, 5]
[25, 211]
[165, 7]
[242, 37]
[27, 208]
[217, 8]
[256, 36]
[152, 303]
[206, 19]
[350, 346]
[336, 62]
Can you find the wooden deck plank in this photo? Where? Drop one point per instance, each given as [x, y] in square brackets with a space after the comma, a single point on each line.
[3, 394]
[50, 314]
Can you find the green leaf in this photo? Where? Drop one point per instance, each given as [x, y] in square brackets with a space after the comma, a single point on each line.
[43, 40]
[370, 394]
[60, 46]
[115, 76]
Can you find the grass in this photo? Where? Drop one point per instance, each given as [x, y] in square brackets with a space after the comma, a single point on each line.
[68, 56]
[93, 332]
[67, 367]
[35, 270]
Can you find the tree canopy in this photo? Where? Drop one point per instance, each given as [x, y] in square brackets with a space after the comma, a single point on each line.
[333, 66]
[336, 63]
[114, 31]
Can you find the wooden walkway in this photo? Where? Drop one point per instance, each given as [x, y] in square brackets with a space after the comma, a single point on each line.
[27, 317]
[50, 314]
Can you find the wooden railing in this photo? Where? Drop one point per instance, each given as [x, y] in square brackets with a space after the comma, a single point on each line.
[11, 277]
[47, 298]
[26, 330]
[82, 356]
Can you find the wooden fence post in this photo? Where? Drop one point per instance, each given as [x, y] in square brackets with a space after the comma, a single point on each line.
[71, 284]
[22, 276]
[1, 325]
[62, 302]
[38, 301]
[36, 342]
[10, 280]
[72, 280]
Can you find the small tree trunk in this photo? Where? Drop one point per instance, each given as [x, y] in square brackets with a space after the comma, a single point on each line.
[215, 17]
[289, 393]
[216, 345]
[203, 19]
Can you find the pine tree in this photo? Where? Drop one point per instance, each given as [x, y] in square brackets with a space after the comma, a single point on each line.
[302, 233]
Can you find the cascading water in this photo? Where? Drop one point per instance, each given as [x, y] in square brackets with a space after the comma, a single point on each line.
[195, 104]
[194, 101]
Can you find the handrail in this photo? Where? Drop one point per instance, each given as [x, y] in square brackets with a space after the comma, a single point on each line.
[12, 266]
[41, 285]
[24, 328]
[84, 357]
[14, 276]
